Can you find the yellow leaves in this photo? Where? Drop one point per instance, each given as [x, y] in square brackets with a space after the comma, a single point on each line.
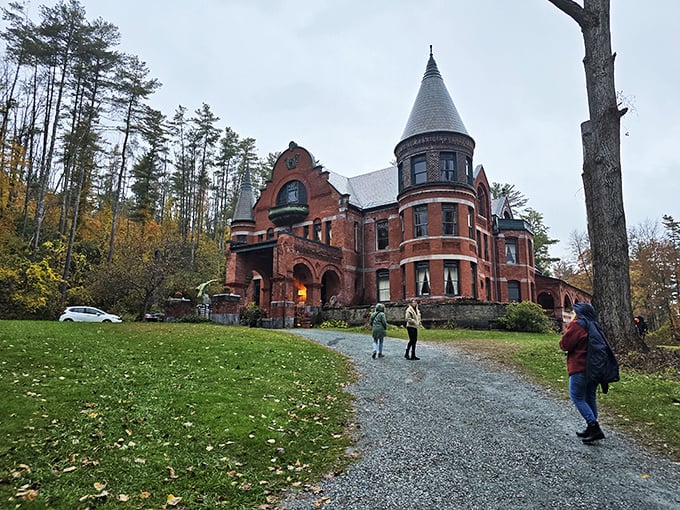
[99, 486]
[123, 498]
[173, 500]
[644, 475]
[145, 495]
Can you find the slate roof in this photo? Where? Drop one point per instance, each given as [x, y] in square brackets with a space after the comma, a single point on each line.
[246, 200]
[433, 109]
[374, 189]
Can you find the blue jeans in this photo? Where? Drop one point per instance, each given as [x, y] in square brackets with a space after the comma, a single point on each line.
[584, 396]
[378, 344]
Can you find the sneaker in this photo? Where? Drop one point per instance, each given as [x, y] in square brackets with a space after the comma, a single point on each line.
[415, 357]
[373, 355]
[381, 355]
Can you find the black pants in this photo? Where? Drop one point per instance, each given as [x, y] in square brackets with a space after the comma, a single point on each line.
[412, 339]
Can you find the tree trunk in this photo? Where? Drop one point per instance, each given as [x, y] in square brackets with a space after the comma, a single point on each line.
[602, 180]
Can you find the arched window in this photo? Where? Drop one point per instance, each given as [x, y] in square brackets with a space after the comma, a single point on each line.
[293, 192]
[481, 202]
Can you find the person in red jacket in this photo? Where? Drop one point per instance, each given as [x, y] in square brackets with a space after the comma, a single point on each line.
[583, 393]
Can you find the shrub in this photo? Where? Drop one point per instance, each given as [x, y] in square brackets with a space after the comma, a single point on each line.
[334, 324]
[251, 315]
[526, 316]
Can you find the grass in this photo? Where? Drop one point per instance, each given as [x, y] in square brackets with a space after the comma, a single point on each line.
[154, 415]
[149, 415]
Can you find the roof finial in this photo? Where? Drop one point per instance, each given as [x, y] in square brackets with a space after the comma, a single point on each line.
[430, 50]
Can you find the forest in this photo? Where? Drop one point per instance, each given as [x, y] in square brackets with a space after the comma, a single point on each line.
[107, 201]
[104, 199]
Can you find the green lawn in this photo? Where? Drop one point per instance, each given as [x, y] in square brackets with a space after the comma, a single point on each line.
[149, 415]
[140, 415]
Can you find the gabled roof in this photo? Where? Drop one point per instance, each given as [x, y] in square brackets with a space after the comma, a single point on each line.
[433, 109]
[374, 189]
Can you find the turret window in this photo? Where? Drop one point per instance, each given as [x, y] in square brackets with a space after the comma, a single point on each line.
[447, 163]
[420, 221]
[469, 171]
[451, 278]
[449, 220]
[511, 250]
[423, 279]
[418, 170]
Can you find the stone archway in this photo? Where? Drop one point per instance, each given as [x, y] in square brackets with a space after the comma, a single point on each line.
[330, 287]
[302, 281]
[546, 301]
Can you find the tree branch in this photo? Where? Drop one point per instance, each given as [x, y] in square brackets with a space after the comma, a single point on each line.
[572, 9]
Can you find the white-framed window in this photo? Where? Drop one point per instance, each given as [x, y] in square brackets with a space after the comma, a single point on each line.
[383, 282]
[423, 279]
[451, 284]
[420, 221]
[511, 250]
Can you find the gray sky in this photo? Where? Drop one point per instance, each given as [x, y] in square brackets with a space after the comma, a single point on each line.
[340, 77]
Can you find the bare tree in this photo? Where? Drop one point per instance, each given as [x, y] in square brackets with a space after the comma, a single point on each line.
[602, 180]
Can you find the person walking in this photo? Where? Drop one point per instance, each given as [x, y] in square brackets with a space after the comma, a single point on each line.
[583, 387]
[378, 323]
[413, 322]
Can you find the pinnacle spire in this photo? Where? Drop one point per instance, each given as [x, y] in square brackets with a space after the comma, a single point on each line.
[433, 109]
[246, 199]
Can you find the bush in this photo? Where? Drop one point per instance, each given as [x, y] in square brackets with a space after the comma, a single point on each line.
[334, 324]
[251, 315]
[526, 316]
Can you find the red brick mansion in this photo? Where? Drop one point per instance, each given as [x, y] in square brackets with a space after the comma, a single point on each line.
[425, 228]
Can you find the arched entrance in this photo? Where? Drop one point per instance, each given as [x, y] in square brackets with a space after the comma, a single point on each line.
[302, 280]
[330, 286]
[546, 301]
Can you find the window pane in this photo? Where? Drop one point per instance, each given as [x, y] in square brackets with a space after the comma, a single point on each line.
[451, 278]
[449, 221]
[447, 164]
[513, 291]
[511, 251]
[383, 286]
[382, 234]
[423, 279]
[420, 221]
[419, 170]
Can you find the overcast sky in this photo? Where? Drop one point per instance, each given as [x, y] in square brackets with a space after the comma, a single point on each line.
[339, 77]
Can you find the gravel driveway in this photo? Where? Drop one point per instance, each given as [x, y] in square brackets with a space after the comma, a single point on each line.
[450, 431]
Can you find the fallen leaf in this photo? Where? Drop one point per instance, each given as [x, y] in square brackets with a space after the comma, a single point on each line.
[644, 475]
[172, 472]
[99, 486]
[145, 495]
[124, 498]
[173, 500]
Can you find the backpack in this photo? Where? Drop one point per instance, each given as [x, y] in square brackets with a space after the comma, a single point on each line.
[601, 365]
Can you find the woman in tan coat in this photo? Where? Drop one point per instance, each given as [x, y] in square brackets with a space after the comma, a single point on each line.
[413, 322]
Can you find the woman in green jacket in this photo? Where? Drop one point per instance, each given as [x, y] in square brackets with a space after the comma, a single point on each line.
[378, 323]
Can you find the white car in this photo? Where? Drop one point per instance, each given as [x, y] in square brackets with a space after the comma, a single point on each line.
[87, 314]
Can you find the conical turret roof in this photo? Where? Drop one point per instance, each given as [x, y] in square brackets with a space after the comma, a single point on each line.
[433, 109]
[246, 200]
